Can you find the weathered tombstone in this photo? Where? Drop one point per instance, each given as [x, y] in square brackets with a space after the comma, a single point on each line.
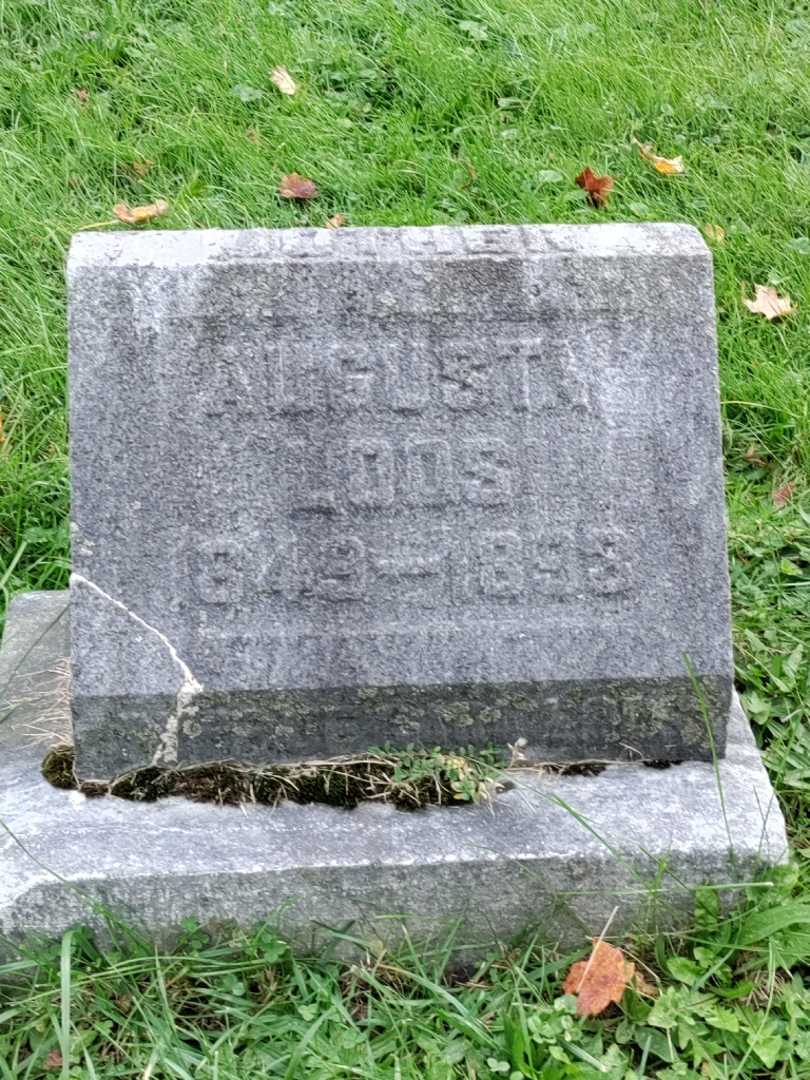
[337, 489]
[334, 489]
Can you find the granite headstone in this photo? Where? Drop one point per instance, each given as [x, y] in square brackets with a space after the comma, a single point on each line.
[338, 489]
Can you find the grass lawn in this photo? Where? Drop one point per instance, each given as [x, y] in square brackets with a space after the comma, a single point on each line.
[420, 112]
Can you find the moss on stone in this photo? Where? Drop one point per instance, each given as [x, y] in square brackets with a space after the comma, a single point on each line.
[409, 781]
[57, 768]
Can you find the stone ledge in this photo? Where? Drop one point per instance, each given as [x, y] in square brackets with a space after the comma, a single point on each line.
[195, 247]
[554, 853]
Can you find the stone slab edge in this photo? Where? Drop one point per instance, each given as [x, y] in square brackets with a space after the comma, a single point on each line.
[555, 854]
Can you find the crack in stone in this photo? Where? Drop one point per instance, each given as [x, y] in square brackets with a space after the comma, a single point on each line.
[167, 751]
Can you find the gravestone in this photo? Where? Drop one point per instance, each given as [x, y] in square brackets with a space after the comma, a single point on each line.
[338, 489]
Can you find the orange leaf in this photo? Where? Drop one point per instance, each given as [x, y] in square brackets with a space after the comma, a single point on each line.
[783, 495]
[295, 186]
[769, 303]
[136, 215]
[597, 188]
[283, 80]
[336, 221]
[600, 980]
[665, 166]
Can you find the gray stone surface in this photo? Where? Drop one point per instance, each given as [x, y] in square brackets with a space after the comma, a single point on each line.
[436, 485]
[526, 862]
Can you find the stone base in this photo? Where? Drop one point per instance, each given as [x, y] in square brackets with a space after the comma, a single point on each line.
[554, 854]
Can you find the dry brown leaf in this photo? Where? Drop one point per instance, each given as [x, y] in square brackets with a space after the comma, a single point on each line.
[643, 986]
[715, 233]
[295, 186]
[600, 980]
[2, 433]
[751, 455]
[597, 188]
[136, 215]
[336, 221]
[252, 135]
[83, 95]
[665, 166]
[769, 303]
[783, 494]
[53, 1061]
[283, 80]
[141, 168]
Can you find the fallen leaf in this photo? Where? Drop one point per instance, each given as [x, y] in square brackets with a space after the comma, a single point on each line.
[283, 80]
[751, 455]
[141, 168]
[769, 303]
[83, 95]
[136, 215]
[665, 166]
[335, 222]
[643, 986]
[295, 186]
[597, 188]
[783, 495]
[2, 434]
[252, 135]
[600, 980]
[53, 1061]
[716, 233]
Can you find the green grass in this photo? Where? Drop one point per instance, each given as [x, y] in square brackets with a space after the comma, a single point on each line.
[723, 1004]
[412, 112]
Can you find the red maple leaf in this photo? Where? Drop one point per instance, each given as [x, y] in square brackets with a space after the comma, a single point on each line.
[597, 188]
[295, 186]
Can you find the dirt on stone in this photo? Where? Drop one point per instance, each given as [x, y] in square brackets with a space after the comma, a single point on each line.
[339, 783]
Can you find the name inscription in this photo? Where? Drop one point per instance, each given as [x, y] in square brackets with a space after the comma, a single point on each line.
[357, 435]
[517, 376]
[378, 474]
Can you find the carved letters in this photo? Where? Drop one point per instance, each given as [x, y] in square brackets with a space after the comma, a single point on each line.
[420, 377]
[377, 474]
[409, 244]
[497, 565]
[363, 437]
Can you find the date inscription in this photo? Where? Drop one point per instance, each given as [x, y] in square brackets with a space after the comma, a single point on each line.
[509, 565]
